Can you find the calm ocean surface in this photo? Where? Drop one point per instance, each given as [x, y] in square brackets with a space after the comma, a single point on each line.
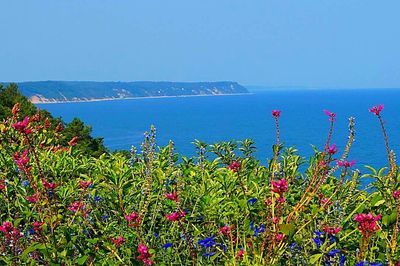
[212, 119]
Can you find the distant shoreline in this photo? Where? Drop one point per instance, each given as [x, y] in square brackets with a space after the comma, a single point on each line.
[35, 101]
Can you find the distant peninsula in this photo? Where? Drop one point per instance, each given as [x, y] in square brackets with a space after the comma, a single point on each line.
[85, 91]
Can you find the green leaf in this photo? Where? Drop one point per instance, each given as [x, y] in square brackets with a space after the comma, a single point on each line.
[314, 258]
[82, 260]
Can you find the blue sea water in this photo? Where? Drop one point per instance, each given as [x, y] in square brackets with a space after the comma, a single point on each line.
[212, 119]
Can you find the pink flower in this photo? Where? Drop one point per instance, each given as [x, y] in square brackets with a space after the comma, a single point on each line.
[49, 186]
[144, 254]
[332, 149]
[172, 196]
[85, 184]
[396, 194]
[37, 226]
[32, 199]
[276, 113]
[133, 219]
[22, 126]
[76, 206]
[22, 160]
[376, 109]
[367, 223]
[279, 237]
[234, 166]
[118, 241]
[331, 230]
[73, 141]
[332, 116]
[175, 216]
[280, 186]
[346, 163]
[240, 254]
[275, 220]
[2, 184]
[226, 230]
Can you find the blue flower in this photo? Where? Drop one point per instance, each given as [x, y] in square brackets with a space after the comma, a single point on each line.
[257, 230]
[362, 263]
[375, 264]
[104, 217]
[342, 259]
[207, 242]
[332, 253]
[156, 235]
[167, 245]
[25, 183]
[96, 198]
[251, 201]
[208, 255]
[317, 240]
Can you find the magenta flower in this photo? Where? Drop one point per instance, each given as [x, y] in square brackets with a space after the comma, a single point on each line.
[332, 149]
[118, 241]
[85, 184]
[32, 199]
[22, 126]
[49, 186]
[276, 113]
[240, 254]
[280, 186]
[172, 196]
[21, 160]
[331, 230]
[376, 109]
[346, 163]
[279, 237]
[37, 226]
[234, 166]
[396, 194]
[226, 230]
[133, 219]
[332, 116]
[367, 223]
[144, 254]
[175, 216]
[76, 206]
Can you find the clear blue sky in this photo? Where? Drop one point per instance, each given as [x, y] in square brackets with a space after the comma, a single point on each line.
[314, 43]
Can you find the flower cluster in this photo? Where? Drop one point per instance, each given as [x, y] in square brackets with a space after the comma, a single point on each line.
[367, 223]
[280, 186]
[175, 216]
[376, 110]
[133, 219]
[144, 255]
[234, 166]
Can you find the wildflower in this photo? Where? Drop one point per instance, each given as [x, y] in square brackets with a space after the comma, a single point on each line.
[276, 113]
[167, 245]
[172, 196]
[257, 230]
[85, 184]
[25, 183]
[175, 216]
[331, 230]
[49, 186]
[144, 254]
[37, 226]
[251, 201]
[15, 110]
[21, 160]
[73, 141]
[2, 184]
[396, 194]
[332, 149]
[209, 254]
[226, 230]
[234, 166]
[22, 126]
[240, 254]
[118, 241]
[279, 237]
[332, 116]
[33, 198]
[76, 206]
[280, 200]
[376, 109]
[346, 163]
[96, 199]
[47, 123]
[280, 186]
[207, 242]
[318, 240]
[133, 219]
[367, 223]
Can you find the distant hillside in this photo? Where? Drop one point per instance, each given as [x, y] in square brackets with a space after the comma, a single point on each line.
[73, 91]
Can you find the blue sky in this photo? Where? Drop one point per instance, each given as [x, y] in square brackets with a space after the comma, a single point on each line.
[311, 43]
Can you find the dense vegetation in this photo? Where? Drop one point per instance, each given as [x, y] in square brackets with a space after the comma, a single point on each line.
[63, 206]
[10, 95]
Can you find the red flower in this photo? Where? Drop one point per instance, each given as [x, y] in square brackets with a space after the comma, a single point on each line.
[332, 149]
[367, 223]
[234, 166]
[73, 141]
[118, 241]
[49, 186]
[47, 123]
[331, 230]
[396, 194]
[85, 184]
[240, 254]
[346, 163]
[276, 113]
[22, 126]
[21, 160]
[279, 237]
[332, 116]
[2, 185]
[172, 196]
[226, 230]
[15, 110]
[144, 254]
[32, 199]
[376, 109]
[280, 186]
[76, 206]
[37, 226]
[133, 219]
[175, 216]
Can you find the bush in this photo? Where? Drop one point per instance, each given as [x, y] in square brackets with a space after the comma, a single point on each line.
[61, 206]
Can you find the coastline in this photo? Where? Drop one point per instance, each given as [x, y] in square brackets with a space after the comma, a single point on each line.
[135, 98]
